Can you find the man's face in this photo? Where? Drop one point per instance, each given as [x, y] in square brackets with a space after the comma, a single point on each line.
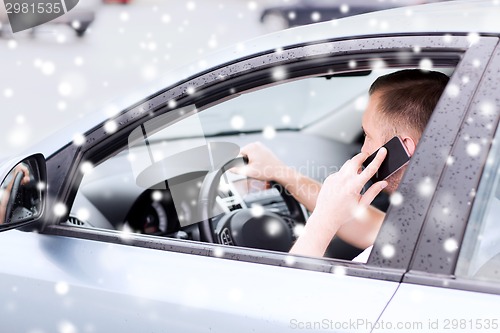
[377, 133]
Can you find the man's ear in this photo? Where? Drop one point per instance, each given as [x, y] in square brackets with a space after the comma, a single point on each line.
[410, 144]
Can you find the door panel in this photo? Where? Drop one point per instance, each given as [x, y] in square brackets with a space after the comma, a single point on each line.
[56, 283]
[434, 309]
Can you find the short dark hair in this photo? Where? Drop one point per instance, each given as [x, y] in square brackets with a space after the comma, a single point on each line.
[408, 97]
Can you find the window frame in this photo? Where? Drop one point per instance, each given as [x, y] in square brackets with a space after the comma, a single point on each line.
[302, 61]
[438, 270]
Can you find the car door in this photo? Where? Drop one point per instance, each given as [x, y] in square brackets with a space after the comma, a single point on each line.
[452, 283]
[89, 279]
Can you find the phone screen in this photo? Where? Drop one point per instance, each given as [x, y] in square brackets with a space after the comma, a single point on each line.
[397, 156]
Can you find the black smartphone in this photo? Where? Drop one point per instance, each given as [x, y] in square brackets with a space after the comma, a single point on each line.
[397, 157]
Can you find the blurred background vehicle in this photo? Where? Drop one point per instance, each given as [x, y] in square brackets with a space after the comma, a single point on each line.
[302, 12]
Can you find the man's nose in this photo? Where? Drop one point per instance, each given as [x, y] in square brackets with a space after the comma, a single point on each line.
[364, 149]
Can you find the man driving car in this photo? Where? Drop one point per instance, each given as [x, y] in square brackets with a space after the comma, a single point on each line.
[400, 104]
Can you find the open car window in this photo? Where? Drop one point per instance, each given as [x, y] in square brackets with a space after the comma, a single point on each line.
[155, 185]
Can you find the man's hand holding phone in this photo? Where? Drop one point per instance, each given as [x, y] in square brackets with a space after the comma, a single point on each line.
[339, 202]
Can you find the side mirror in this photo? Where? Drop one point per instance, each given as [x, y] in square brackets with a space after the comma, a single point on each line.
[22, 193]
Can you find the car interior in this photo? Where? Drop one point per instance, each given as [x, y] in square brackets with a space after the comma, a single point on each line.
[179, 168]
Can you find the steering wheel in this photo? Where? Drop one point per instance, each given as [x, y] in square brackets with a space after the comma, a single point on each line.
[243, 227]
[13, 194]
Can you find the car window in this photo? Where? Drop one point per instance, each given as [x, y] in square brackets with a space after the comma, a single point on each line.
[153, 186]
[156, 186]
[480, 254]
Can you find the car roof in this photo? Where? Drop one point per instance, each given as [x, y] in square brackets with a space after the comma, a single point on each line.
[462, 17]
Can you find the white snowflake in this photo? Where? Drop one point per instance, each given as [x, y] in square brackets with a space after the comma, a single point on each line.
[83, 214]
[218, 252]
[156, 195]
[151, 46]
[20, 119]
[361, 102]
[396, 199]
[426, 187]
[290, 260]
[452, 90]
[61, 105]
[450, 245]
[339, 270]
[257, 210]
[111, 110]
[191, 5]
[86, 167]
[8, 93]
[65, 88]
[149, 72]
[487, 108]
[315, 16]
[110, 126]
[172, 103]
[269, 132]
[79, 61]
[66, 327]
[388, 251]
[279, 73]
[298, 229]
[37, 62]
[61, 39]
[447, 38]
[252, 5]
[61, 288]
[377, 64]
[165, 18]
[425, 64]
[12, 44]
[273, 228]
[124, 16]
[473, 149]
[60, 209]
[237, 122]
[19, 136]
[48, 68]
[212, 42]
[360, 212]
[473, 38]
[286, 119]
[41, 186]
